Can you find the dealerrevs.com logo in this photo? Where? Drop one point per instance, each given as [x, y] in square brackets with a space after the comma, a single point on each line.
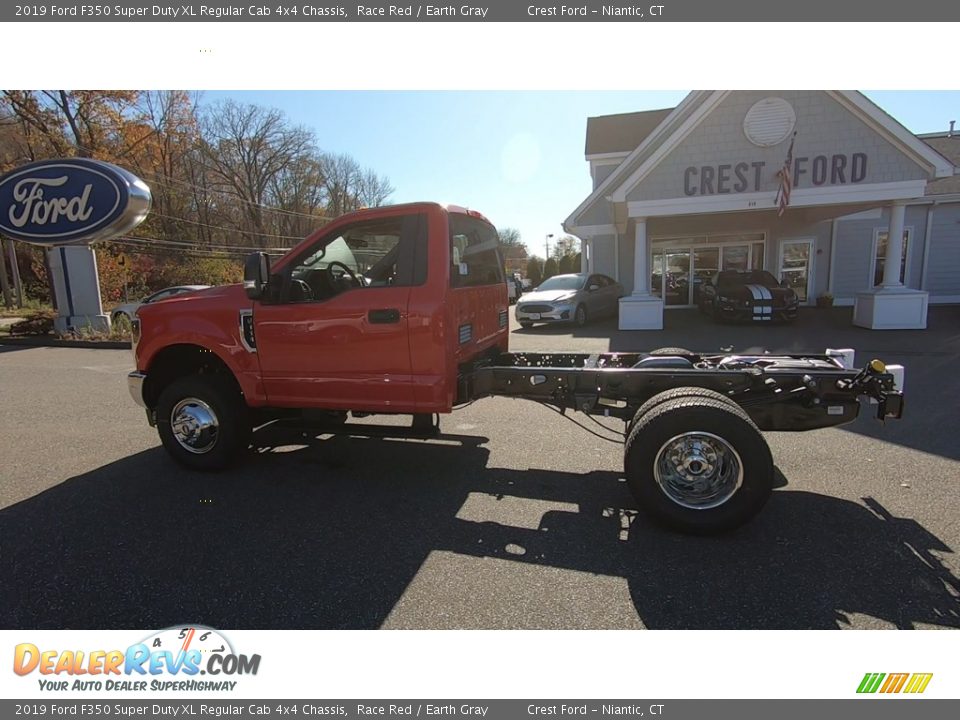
[171, 659]
[910, 683]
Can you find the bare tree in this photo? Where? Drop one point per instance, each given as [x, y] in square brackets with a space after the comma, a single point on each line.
[245, 147]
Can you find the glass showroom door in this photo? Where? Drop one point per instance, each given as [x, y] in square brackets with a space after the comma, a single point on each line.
[677, 288]
[795, 266]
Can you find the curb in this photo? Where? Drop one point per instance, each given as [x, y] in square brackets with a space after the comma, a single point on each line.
[56, 342]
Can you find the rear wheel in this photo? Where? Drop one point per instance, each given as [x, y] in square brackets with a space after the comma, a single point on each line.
[697, 464]
[203, 421]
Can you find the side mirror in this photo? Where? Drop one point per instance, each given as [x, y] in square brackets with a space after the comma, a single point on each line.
[593, 288]
[256, 274]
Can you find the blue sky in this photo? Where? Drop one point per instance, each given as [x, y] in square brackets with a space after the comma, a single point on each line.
[515, 156]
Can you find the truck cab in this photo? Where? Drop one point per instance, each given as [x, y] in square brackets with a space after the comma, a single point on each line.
[374, 312]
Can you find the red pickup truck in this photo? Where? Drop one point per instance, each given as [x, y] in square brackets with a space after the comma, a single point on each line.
[404, 309]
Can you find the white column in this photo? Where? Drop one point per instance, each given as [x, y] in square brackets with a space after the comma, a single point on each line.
[641, 263]
[891, 306]
[585, 253]
[893, 259]
[641, 310]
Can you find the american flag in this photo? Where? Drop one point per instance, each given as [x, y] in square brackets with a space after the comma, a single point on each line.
[786, 180]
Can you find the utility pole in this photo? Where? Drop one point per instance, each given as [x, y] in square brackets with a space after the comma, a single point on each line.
[4, 285]
[15, 272]
[547, 256]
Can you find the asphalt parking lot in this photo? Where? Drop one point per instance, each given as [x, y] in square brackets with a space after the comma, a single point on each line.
[513, 518]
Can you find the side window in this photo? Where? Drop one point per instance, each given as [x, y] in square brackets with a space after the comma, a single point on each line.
[474, 252]
[377, 253]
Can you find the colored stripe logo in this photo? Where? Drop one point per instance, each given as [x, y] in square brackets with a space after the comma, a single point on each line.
[913, 683]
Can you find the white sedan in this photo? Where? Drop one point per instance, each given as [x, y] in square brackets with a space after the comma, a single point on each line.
[129, 310]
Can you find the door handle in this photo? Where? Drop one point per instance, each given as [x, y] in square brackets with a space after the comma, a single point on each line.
[385, 316]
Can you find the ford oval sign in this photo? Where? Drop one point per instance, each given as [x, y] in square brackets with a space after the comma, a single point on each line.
[71, 201]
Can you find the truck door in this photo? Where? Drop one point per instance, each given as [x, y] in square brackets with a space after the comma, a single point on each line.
[334, 332]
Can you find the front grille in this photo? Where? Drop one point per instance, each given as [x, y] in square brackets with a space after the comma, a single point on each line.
[536, 308]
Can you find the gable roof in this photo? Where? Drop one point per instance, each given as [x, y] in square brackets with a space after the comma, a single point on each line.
[949, 147]
[621, 133]
[659, 139]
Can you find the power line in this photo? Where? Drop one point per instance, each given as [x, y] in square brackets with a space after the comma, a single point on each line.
[175, 246]
[228, 229]
[168, 181]
[190, 244]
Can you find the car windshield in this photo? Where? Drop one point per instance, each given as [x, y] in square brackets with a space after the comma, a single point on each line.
[754, 277]
[563, 282]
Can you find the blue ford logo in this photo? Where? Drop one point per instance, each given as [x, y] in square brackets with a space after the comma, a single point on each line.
[71, 201]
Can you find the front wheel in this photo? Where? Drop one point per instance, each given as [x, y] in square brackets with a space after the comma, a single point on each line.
[526, 324]
[698, 464]
[580, 316]
[203, 421]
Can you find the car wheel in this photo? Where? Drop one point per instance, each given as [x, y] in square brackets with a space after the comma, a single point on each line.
[698, 464]
[203, 421]
[526, 324]
[580, 315]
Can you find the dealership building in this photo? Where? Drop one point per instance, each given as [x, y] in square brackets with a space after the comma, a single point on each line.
[873, 217]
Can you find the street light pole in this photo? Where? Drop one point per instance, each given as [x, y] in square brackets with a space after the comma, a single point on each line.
[548, 247]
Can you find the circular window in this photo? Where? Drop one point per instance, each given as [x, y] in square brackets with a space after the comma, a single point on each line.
[769, 122]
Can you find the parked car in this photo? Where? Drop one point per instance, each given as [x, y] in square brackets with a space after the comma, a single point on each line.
[753, 295]
[576, 298]
[129, 310]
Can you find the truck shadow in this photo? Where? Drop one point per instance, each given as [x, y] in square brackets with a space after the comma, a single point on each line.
[329, 532]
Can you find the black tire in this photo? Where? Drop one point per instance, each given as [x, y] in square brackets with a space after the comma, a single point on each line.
[526, 324]
[716, 419]
[680, 392]
[233, 432]
[580, 315]
[673, 394]
[670, 351]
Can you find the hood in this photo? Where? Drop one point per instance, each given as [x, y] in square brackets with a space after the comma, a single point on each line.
[754, 291]
[548, 295]
[196, 301]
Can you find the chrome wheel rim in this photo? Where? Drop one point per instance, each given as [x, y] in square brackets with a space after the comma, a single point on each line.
[195, 426]
[698, 470]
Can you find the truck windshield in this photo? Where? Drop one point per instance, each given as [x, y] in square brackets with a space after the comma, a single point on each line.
[474, 252]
